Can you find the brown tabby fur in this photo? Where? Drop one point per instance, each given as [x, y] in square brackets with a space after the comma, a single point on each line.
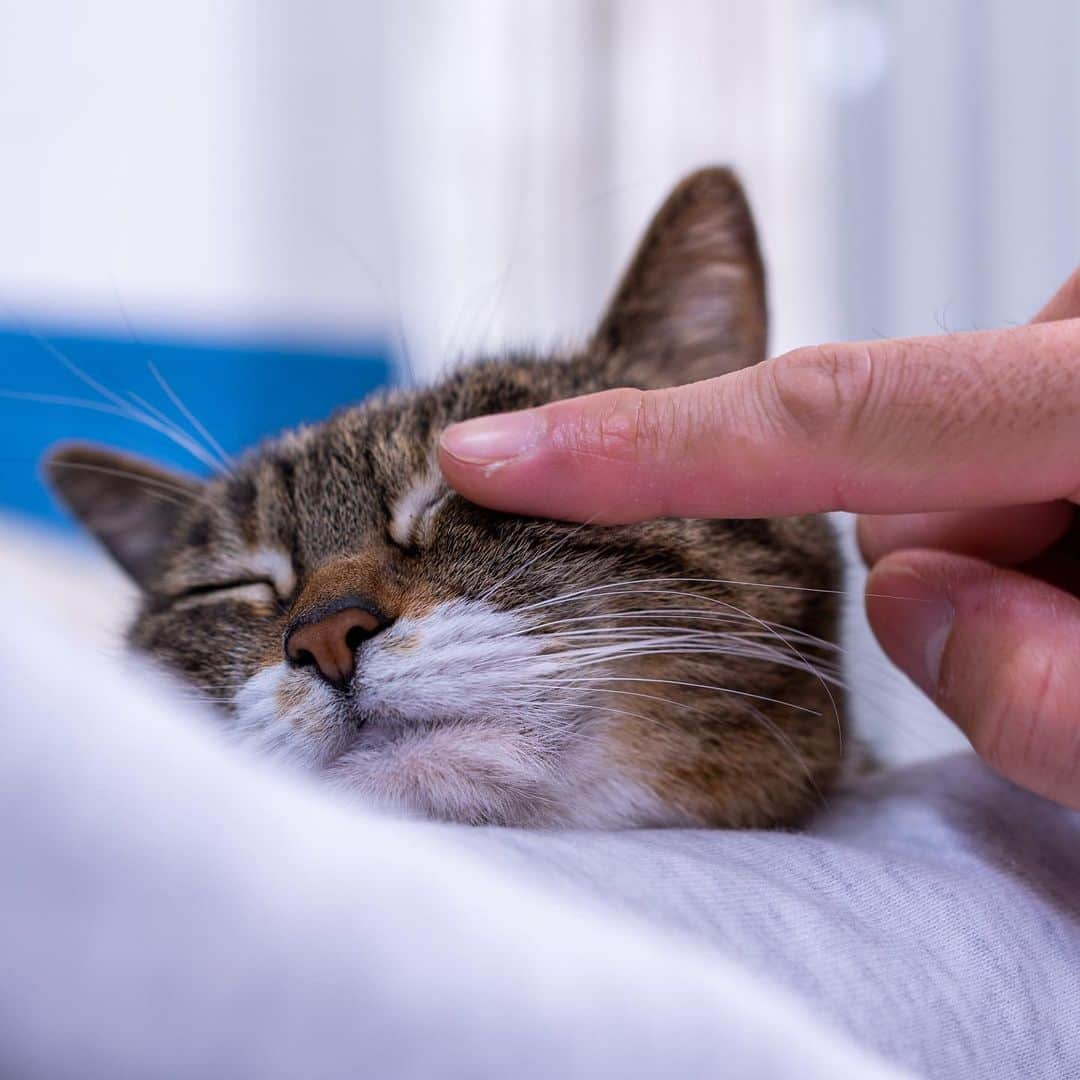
[690, 306]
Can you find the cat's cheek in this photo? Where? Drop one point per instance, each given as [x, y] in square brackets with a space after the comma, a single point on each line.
[600, 790]
[290, 717]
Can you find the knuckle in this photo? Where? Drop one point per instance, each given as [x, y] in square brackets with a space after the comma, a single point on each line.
[635, 426]
[620, 429]
[822, 392]
[656, 424]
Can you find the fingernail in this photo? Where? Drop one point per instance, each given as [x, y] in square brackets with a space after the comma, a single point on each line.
[494, 440]
[913, 622]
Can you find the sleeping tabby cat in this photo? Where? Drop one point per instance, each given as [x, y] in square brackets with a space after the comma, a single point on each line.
[351, 614]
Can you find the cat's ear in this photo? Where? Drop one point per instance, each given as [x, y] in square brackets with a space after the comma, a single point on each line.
[692, 303]
[131, 506]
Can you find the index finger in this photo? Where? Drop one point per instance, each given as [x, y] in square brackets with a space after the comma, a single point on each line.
[988, 418]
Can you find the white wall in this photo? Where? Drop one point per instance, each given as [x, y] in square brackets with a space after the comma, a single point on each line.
[201, 164]
[533, 140]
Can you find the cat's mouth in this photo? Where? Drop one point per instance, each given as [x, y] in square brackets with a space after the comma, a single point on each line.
[365, 731]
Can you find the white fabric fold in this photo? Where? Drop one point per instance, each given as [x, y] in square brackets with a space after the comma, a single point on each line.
[171, 908]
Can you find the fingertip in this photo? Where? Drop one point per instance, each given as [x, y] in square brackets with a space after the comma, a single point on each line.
[537, 483]
[492, 441]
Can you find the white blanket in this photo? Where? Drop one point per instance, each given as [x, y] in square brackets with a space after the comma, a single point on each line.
[169, 908]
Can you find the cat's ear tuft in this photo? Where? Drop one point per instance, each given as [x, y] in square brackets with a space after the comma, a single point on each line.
[130, 506]
[692, 303]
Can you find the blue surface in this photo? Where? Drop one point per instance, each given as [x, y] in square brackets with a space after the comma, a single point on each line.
[240, 391]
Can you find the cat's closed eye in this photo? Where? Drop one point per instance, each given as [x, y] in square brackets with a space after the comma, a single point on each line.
[259, 591]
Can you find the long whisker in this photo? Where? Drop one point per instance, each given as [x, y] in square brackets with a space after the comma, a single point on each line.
[738, 638]
[728, 604]
[610, 586]
[125, 411]
[154, 411]
[871, 666]
[660, 613]
[692, 685]
[735, 646]
[674, 641]
[211, 442]
[120, 408]
[671, 631]
[190, 417]
[127, 474]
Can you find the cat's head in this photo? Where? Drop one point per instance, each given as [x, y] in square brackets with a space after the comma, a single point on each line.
[349, 613]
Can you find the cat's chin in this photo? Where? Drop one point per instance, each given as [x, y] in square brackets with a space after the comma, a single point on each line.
[470, 773]
[484, 773]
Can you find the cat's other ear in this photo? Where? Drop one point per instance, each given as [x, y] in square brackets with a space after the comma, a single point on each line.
[692, 303]
[131, 506]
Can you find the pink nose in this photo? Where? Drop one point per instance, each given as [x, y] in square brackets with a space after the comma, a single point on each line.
[329, 642]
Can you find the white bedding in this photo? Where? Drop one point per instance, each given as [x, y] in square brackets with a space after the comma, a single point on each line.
[170, 908]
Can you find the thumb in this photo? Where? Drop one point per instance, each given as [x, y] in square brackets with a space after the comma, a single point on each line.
[997, 651]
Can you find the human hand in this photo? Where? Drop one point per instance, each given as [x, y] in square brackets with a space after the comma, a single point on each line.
[961, 453]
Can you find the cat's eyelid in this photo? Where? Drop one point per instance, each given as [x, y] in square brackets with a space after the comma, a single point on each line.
[269, 564]
[209, 588]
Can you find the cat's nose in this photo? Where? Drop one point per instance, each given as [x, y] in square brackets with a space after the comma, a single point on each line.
[328, 637]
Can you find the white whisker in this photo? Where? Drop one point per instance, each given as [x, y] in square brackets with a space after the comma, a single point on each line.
[120, 407]
[687, 594]
[147, 481]
[691, 685]
[142, 403]
[125, 411]
[605, 587]
[190, 417]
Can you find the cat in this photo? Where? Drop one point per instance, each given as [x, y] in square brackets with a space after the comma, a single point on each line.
[349, 613]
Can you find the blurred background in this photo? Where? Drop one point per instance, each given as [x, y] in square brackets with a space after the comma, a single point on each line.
[262, 209]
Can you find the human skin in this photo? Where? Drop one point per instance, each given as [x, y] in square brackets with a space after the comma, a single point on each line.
[960, 454]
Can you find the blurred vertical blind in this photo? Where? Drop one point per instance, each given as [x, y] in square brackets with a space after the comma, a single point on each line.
[533, 140]
[915, 165]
